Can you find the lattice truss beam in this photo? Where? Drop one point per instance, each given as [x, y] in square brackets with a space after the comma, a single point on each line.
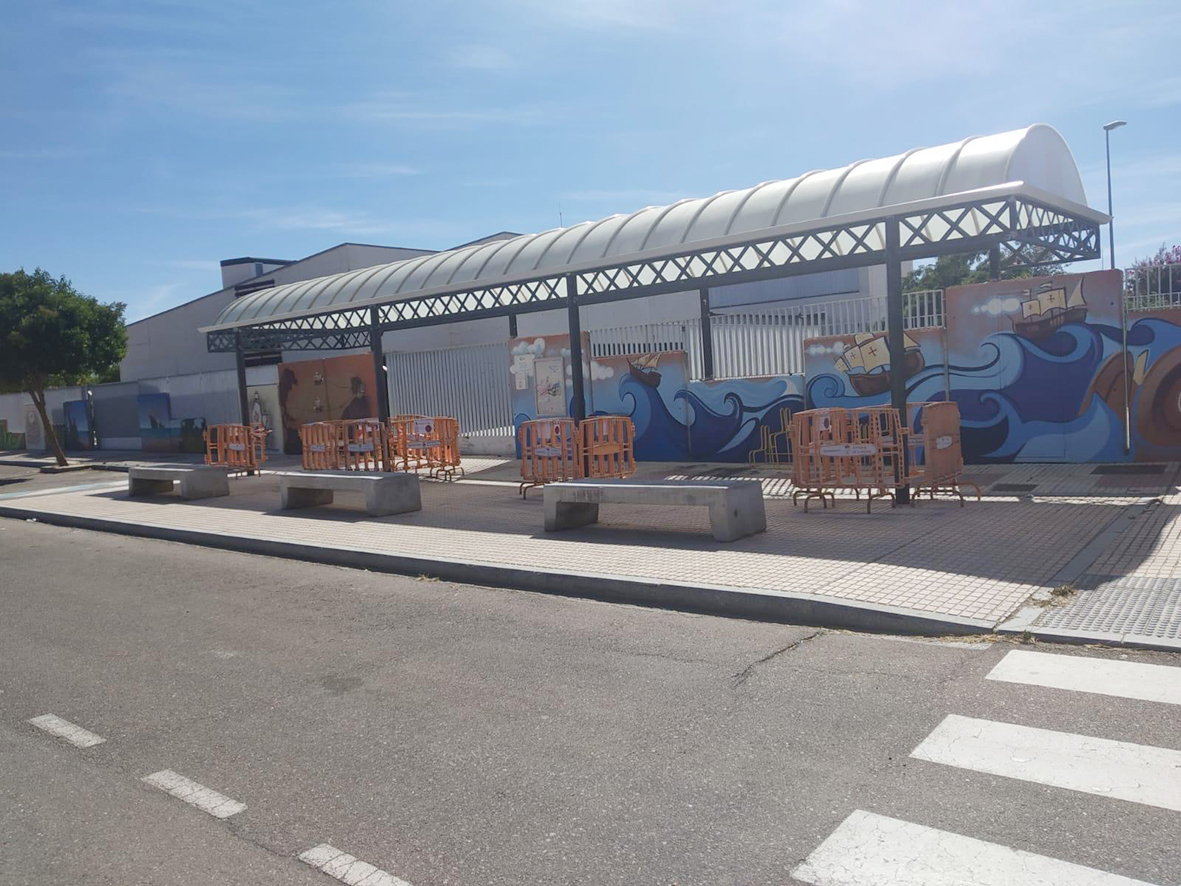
[1027, 234]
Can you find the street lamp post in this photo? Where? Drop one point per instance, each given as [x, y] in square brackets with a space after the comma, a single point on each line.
[1123, 308]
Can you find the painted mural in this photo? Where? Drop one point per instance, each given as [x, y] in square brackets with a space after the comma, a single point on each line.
[78, 436]
[1035, 368]
[855, 370]
[264, 410]
[155, 422]
[1154, 381]
[681, 420]
[160, 432]
[675, 419]
[333, 389]
[540, 377]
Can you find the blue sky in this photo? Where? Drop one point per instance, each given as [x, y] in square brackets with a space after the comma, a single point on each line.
[141, 142]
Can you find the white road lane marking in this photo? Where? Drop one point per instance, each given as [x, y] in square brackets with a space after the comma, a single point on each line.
[872, 850]
[347, 868]
[75, 735]
[1125, 679]
[205, 799]
[1119, 769]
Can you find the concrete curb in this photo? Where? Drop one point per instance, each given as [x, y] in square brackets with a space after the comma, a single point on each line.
[749, 603]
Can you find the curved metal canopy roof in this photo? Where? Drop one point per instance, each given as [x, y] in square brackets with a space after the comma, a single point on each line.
[1035, 162]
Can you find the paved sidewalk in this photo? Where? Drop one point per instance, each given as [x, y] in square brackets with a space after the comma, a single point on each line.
[938, 566]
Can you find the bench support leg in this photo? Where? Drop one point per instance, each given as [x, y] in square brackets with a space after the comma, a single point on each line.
[139, 486]
[293, 497]
[739, 515]
[382, 499]
[569, 514]
[209, 485]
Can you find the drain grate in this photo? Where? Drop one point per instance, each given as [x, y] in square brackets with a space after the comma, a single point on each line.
[1129, 469]
[1012, 487]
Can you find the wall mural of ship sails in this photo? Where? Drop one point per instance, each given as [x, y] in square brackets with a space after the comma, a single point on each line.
[1035, 366]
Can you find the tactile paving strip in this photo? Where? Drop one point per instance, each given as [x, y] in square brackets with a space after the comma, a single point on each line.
[1145, 605]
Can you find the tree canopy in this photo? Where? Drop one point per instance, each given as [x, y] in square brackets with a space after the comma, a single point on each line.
[50, 334]
[958, 270]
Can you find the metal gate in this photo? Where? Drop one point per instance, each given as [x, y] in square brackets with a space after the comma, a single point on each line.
[470, 383]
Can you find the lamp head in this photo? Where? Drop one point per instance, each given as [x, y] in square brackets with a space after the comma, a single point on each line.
[1115, 124]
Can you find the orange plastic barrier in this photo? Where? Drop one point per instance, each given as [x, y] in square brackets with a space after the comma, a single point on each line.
[363, 445]
[235, 446]
[936, 457]
[322, 445]
[551, 451]
[417, 442]
[447, 462]
[858, 449]
[608, 446]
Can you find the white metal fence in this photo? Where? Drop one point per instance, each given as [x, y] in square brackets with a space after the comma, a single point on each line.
[764, 341]
[1153, 287]
[468, 383]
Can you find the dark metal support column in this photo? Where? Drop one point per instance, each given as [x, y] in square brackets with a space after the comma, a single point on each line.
[383, 386]
[512, 325]
[574, 325]
[895, 325]
[707, 339]
[994, 263]
[243, 399]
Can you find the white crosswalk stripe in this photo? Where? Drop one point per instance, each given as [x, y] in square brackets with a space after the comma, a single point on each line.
[873, 850]
[1120, 769]
[347, 868]
[1125, 679]
[71, 732]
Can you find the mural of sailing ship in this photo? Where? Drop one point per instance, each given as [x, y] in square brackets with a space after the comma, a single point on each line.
[866, 362]
[643, 369]
[1049, 309]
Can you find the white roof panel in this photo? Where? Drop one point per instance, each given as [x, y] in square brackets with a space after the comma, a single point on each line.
[1036, 158]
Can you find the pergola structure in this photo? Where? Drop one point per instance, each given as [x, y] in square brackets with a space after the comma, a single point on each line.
[1017, 196]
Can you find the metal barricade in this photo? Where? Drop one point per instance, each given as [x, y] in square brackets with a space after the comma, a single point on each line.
[445, 462]
[936, 456]
[551, 451]
[608, 446]
[363, 445]
[857, 449]
[323, 445]
[238, 447]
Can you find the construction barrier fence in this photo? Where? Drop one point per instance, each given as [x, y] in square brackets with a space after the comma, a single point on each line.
[238, 447]
[553, 450]
[861, 449]
[936, 456]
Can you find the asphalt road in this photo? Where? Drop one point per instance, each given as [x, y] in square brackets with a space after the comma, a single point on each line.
[451, 734]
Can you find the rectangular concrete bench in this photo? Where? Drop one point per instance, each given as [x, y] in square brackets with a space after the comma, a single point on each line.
[385, 494]
[735, 506]
[196, 481]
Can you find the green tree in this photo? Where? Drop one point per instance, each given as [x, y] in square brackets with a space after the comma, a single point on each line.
[964, 268]
[50, 334]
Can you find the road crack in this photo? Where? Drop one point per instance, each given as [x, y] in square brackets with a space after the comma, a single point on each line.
[745, 674]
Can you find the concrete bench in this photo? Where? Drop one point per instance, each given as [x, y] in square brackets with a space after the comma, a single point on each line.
[735, 506]
[196, 481]
[385, 494]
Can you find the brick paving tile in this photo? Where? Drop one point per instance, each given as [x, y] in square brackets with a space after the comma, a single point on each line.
[979, 561]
